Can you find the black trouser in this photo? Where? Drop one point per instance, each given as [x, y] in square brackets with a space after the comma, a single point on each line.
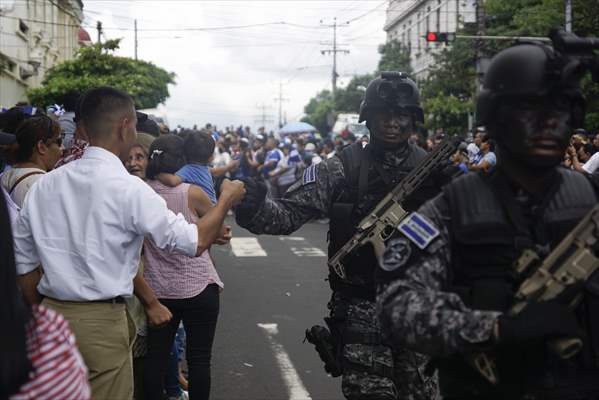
[199, 315]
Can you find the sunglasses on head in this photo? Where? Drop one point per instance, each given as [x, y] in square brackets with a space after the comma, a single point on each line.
[50, 132]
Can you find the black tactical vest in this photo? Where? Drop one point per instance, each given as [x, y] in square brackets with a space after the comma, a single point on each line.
[485, 244]
[365, 187]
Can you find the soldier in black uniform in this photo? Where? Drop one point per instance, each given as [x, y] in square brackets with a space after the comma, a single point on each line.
[449, 299]
[345, 188]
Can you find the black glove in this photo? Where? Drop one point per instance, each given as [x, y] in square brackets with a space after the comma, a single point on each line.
[543, 320]
[255, 193]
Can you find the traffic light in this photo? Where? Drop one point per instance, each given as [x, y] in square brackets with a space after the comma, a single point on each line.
[440, 37]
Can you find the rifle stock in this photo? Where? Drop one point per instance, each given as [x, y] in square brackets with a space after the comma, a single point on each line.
[562, 273]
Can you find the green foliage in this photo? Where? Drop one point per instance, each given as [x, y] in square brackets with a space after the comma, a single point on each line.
[95, 66]
[321, 109]
[394, 57]
[318, 110]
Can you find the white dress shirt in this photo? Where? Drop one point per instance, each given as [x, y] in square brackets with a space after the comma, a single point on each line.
[85, 224]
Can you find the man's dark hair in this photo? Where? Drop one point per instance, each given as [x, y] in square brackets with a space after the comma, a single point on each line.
[70, 100]
[98, 105]
[15, 315]
[199, 147]
[166, 155]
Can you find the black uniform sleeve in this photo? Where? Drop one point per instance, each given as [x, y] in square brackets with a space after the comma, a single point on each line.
[308, 198]
[414, 308]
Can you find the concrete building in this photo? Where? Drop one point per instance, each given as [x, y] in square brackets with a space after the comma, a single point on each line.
[409, 20]
[34, 36]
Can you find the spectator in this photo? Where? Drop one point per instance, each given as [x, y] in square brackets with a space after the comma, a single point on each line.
[39, 357]
[199, 152]
[7, 141]
[101, 214]
[188, 286]
[287, 169]
[69, 101]
[488, 160]
[244, 157]
[137, 161]
[328, 149]
[39, 148]
[577, 159]
[310, 156]
[473, 148]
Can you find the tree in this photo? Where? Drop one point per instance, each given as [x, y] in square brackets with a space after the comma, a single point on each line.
[96, 66]
[318, 110]
[394, 57]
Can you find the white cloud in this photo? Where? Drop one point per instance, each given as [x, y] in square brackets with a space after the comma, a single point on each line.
[222, 76]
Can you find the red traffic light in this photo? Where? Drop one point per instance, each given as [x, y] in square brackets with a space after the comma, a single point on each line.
[431, 37]
[440, 37]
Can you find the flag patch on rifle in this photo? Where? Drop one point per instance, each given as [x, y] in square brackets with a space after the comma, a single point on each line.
[418, 229]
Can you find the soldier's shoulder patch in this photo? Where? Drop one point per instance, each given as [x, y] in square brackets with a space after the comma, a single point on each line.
[397, 254]
[418, 229]
[309, 175]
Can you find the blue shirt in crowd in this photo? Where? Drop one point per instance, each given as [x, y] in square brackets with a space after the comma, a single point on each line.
[199, 175]
[273, 155]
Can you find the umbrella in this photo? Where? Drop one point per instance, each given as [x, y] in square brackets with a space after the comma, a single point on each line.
[296, 127]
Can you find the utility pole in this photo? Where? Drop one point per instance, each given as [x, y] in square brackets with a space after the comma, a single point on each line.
[263, 118]
[99, 28]
[280, 100]
[568, 15]
[334, 52]
[135, 27]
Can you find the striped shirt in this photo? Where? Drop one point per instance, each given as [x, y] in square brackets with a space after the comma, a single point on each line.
[58, 371]
[170, 275]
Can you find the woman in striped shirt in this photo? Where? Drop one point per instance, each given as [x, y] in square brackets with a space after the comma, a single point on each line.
[38, 356]
[188, 286]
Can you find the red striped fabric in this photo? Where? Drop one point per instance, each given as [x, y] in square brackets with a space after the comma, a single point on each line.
[58, 370]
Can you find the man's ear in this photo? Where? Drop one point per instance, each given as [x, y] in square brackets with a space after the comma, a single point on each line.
[122, 129]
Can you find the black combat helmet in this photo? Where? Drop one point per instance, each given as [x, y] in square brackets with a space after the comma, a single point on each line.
[393, 90]
[530, 70]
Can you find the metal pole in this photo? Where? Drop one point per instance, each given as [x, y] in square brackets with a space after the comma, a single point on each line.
[135, 25]
[334, 57]
[280, 105]
[568, 15]
[99, 28]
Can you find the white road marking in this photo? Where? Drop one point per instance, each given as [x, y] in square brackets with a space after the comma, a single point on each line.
[247, 247]
[295, 386]
[304, 251]
[291, 238]
[308, 252]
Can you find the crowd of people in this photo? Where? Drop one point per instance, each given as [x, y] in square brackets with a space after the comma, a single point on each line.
[113, 215]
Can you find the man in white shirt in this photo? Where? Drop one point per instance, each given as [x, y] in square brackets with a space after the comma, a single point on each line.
[85, 222]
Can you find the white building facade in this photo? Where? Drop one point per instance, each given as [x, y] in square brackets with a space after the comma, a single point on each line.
[34, 36]
[408, 21]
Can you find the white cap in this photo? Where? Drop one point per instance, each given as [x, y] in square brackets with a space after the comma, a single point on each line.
[310, 147]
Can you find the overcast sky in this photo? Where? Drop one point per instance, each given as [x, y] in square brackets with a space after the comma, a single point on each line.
[224, 75]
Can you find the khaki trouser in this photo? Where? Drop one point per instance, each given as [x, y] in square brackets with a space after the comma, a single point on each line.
[104, 338]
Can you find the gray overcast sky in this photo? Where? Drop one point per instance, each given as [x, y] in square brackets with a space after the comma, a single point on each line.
[224, 75]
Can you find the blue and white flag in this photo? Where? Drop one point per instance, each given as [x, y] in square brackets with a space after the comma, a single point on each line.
[418, 229]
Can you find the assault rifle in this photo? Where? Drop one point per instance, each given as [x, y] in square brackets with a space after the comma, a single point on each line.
[561, 276]
[379, 225]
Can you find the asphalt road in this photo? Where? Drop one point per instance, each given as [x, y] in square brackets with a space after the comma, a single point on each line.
[271, 280]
